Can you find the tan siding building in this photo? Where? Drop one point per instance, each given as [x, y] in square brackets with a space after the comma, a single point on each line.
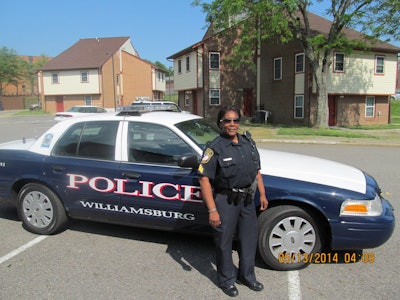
[104, 71]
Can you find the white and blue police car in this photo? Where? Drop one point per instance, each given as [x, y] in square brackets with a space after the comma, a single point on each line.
[140, 169]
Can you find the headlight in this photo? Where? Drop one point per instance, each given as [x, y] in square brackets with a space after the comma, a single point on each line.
[362, 207]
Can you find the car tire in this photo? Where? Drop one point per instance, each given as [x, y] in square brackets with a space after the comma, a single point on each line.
[40, 210]
[287, 236]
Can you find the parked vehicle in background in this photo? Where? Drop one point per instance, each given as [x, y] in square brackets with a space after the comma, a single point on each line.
[34, 107]
[79, 110]
[395, 96]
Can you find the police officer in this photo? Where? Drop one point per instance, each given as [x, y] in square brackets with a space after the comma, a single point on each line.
[229, 174]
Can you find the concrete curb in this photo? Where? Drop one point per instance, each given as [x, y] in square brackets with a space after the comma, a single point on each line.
[354, 142]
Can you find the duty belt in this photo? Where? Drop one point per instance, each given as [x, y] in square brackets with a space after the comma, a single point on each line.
[236, 195]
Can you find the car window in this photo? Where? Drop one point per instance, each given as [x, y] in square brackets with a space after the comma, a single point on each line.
[89, 139]
[74, 109]
[153, 143]
[199, 131]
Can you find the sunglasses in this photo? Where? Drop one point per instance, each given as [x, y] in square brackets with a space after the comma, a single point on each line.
[227, 121]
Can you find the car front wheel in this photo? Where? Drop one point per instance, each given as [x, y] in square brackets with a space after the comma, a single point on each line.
[40, 210]
[287, 237]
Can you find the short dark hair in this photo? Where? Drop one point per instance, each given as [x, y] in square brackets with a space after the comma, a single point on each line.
[224, 110]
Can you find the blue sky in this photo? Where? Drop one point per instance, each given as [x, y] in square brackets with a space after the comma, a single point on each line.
[157, 28]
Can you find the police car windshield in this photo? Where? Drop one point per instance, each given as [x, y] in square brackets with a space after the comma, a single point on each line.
[199, 131]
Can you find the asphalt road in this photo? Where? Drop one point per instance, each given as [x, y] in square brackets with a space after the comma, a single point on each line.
[102, 261]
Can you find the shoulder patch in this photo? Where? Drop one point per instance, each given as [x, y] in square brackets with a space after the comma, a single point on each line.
[207, 155]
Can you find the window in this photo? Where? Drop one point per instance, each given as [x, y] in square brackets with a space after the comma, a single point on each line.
[214, 97]
[214, 60]
[88, 100]
[160, 76]
[155, 144]
[299, 106]
[84, 76]
[299, 68]
[179, 66]
[187, 97]
[370, 106]
[379, 65]
[188, 63]
[338, 62]
[278, 68]
[54, 78]
[94, 140]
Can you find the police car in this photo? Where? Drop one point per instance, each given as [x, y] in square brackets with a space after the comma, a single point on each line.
[140, 169]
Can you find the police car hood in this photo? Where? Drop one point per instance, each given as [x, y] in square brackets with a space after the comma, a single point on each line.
[312, 169]
[22, 144]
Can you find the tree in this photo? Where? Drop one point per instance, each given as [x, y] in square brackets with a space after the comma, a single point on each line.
[12, 68]
[31, 70]
[262, 20]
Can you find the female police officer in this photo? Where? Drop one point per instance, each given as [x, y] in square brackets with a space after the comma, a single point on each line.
[229, 174]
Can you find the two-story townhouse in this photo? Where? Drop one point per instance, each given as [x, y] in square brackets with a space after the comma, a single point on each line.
[107, 72]
[359, 84]
[205, 82]
[159, 83]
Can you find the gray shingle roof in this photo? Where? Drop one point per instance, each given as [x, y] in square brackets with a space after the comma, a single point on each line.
[88, 53]
[321, 25]
[318, 25]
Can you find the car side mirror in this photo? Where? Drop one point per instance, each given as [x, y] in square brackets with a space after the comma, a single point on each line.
[189, 160]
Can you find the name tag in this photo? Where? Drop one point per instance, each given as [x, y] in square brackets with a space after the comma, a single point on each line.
[227, 159]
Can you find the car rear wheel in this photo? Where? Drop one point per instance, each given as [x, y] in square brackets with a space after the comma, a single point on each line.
[40, 210]
[287, 236]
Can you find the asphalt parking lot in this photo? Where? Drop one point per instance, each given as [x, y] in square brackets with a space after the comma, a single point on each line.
[101, 261]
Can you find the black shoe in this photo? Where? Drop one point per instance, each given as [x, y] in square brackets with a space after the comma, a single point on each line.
[231, 291]
[255, 286]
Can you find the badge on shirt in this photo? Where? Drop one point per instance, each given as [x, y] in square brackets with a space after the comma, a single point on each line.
[207, 155]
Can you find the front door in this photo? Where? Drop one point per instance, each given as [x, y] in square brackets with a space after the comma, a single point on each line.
[247, 102]
[156, 190]
[59, 103]
[332, 110]
[195, 109]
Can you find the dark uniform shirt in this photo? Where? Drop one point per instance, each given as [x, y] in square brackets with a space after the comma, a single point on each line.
[229, 165]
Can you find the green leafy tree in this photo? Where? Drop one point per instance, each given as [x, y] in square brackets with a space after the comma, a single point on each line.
[12, 68]
[263, 20]
[168, 71]
[31, 70]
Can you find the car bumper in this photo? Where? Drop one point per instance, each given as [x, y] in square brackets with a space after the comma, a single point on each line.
[357, 233]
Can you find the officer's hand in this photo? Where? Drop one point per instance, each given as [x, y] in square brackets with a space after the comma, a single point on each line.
[214, 219]
[263, 202]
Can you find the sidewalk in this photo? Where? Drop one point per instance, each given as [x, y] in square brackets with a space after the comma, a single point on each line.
[381, 137]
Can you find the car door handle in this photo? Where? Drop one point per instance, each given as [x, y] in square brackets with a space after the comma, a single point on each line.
[131, 175]
[58, 168]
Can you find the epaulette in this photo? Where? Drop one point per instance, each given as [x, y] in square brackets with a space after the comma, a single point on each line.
[247, 135]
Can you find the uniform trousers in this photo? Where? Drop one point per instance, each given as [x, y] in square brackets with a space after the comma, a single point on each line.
[240, 220]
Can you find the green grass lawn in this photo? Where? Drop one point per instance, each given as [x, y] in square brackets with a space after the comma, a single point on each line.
[395, 112]
[349, 131]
